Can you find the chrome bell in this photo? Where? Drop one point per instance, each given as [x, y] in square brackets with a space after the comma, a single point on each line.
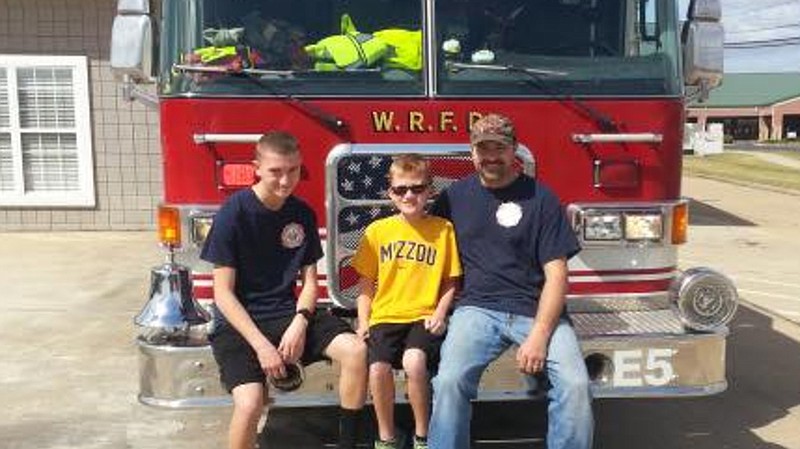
[171, 308]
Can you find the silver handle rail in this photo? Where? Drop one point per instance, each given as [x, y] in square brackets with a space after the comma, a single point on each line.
[618, 138]
[202, 139]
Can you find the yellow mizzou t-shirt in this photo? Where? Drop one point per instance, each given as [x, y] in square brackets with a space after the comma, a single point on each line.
[409, 264]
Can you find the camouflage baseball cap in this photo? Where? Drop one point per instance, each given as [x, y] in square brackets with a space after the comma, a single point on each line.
[494, 127]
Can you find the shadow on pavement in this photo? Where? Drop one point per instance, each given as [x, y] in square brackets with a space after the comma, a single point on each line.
[307, 428]
[703, 214]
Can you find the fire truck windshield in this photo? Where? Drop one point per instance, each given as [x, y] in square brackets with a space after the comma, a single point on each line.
[573, 47]
[351, 48]
[297, 47]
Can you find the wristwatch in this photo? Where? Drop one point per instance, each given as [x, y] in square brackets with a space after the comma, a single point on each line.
[307, 314]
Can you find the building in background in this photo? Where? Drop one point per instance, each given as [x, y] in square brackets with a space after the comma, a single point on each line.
[753, 106]
[73, 154]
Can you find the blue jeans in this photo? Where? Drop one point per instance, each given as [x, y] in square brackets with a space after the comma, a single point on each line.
[477, 336]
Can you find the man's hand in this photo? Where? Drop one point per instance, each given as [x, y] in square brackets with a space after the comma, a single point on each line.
[436, 324]
[271, 362]
[293, 341]
[532, 354]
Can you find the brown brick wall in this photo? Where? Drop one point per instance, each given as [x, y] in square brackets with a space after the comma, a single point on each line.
[125, 135]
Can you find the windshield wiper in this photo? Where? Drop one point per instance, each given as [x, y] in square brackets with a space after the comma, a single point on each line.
[507, 68]
[230, 70]
[535, 77]
[330, 121]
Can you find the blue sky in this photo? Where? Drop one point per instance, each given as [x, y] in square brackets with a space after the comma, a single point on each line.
[766, 32]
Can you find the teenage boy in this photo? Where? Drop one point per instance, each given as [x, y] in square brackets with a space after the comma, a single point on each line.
[408, 264]
[262, 239]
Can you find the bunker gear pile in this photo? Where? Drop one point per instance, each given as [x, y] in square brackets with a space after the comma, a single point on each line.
[354, 50]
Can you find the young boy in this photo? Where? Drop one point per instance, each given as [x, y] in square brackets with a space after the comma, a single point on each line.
[408, 265]
[262, 238]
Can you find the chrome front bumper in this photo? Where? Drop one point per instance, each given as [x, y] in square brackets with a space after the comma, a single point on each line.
[649, 354]
[629, 354]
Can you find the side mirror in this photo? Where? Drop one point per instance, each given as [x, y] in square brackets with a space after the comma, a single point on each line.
[132, 41]
[705, 10]
[703, 41]
[703, 54]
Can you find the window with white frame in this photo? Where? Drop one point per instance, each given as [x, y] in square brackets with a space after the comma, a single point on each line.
[45, 132]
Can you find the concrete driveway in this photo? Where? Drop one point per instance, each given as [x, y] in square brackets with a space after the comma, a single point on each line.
[68, 378]
[750, 235]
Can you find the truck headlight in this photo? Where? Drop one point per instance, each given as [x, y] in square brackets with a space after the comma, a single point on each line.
[200, 227]
[643, 226]
[705, 299]
[605, 224]
[602, 226]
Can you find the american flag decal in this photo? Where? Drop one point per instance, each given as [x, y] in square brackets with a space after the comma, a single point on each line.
[361, 198]
[363, 177]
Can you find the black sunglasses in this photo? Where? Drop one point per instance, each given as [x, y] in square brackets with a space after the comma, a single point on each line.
[402, 190]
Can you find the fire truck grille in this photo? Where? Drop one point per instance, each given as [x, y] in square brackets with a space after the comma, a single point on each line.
[627, 323]
[360, 197]
[353, 220]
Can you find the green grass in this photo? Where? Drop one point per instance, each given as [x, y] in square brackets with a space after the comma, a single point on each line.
[744, 169]
[795, 155]
[790, 154]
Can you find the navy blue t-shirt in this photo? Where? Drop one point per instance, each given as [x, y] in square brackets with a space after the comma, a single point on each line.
[266, 248]
[505, 236]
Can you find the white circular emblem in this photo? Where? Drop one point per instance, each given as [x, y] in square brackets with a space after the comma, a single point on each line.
[508, 214]
[292, 235]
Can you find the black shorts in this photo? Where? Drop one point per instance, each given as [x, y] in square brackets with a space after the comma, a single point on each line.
[238, 363]
[388, 341]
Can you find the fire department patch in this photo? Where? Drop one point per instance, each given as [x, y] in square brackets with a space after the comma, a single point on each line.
[508, 214]
[292, 235]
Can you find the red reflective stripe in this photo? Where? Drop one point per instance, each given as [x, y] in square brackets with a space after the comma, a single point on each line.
[203, 292]
[619, 287]
[207, 293]
[622, 272]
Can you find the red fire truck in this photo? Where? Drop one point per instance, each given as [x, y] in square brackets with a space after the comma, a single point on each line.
[596, 88]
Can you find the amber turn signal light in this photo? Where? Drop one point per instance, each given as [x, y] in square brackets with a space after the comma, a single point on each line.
[680, 223]
[169, 226]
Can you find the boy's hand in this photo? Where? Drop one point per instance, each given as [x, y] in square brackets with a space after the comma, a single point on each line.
[293, 341]
[436, 324]
[271, 362]
[362, 332]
